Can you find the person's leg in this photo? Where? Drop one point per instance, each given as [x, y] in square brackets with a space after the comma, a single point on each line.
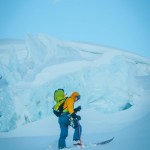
[77, 131]
[63, 135]
[64, 124]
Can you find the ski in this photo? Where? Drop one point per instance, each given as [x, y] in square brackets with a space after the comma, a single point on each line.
[103, 142]
[91, 144]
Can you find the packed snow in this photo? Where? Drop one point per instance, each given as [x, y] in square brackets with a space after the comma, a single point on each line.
[114, 87]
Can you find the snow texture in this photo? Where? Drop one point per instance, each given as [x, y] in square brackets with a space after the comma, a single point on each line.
[114, 87]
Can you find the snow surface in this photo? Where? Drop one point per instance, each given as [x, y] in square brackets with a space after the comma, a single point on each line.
[114, 87]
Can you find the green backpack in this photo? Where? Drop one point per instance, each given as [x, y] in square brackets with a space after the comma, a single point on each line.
[59, 98]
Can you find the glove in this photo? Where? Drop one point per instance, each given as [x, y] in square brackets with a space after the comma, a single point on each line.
[74, 116]
[77, 109]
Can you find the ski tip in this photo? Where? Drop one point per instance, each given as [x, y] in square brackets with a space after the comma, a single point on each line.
[105, 142]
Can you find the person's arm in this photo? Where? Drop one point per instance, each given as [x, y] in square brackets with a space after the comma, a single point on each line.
[77, 109]
[70, 106]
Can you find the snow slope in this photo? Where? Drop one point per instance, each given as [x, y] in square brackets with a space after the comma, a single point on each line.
[114, 87]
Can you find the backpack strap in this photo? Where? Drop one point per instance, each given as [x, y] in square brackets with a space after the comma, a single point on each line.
[57, 105]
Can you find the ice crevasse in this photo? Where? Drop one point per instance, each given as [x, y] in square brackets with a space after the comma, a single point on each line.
[32, 69]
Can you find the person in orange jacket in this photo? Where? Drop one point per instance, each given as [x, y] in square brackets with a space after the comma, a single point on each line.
[66, 118]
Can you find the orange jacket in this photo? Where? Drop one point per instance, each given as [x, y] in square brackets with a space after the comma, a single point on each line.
[69, 103]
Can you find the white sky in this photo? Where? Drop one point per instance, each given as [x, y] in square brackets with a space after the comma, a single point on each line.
[116, 23]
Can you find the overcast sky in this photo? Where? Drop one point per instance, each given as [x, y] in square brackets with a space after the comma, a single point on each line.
[123, 24]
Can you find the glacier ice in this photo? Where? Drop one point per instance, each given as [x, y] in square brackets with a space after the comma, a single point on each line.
[31, 71]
